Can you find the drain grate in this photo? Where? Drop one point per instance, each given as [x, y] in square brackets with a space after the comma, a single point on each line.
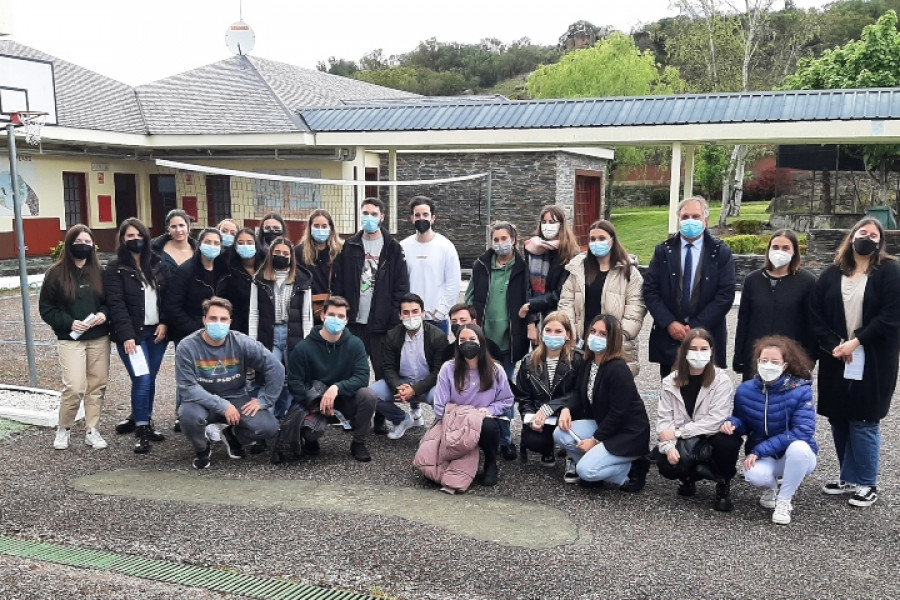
[218, 580]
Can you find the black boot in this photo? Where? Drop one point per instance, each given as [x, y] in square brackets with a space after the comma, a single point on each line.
[723, 497]
[142, 439]
[637, 477]
[687, 488]
[490, 475]
[126, 426]
[380, 427]
[155, 434]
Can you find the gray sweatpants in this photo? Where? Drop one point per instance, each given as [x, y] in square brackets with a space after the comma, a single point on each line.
[195, 417]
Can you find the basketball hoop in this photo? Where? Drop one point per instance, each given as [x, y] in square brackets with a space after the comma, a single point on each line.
[32, 122]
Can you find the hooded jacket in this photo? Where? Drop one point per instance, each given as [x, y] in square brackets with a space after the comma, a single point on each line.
[516, 296]
[343, 363]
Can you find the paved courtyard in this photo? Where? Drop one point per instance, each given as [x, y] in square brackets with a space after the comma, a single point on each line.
[381, 529]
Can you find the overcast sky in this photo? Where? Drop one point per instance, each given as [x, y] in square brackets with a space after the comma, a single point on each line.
[138, 42]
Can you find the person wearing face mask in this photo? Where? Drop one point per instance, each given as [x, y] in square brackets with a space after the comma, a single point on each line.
[211, 368]
[498, 289]
[333, 356]
[545, 384]
[244, 260]
[72, 302]
[855, 317]
[135, 283]
[228, 229]
[547, 254]
[775, 411]
[690, 283]
[462, 314]
[280, 308]
[433, 264]
[271, 226]
[695, 400]
[605, 280]
[604, 429]
[316, 252]
[774, 301]
[412, 357]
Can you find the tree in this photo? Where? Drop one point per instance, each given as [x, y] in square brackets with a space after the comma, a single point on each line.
[344, 68]
[416, 80]
[871, 61]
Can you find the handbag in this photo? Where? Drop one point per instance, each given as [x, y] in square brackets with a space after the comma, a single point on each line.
[694, 451]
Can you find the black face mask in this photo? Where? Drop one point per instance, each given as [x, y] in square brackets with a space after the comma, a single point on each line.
[271, 236]
[81, 251]
[135, 246]
[864, 246]
[455, 328]
[469, 349]
[281, 262]
[422, 225]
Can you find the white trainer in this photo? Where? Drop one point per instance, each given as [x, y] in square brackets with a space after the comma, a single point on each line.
[213, 433]
[62, 438]
[767, 500]
[782, 514]
[418, 420]
[400, 428]
[93, 439]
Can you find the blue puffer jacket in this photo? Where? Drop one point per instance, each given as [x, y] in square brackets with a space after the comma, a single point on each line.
[773, 415]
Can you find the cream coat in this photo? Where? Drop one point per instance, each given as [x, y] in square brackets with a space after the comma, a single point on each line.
[621, 298]
[714, 405]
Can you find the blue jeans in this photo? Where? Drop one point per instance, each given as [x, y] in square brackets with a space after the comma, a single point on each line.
[143, 388]
[858, 447]
[510, 413]
[798, 461]
[387, 406]
[597, 464]
[279, 350]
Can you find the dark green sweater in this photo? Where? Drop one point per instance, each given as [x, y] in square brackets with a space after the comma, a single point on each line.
[59, 313]
[343, 363]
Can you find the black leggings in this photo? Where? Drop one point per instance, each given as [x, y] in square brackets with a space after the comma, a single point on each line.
[490, 439]
[725, 449]
[538, 441]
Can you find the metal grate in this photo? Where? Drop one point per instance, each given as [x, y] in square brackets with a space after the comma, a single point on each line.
[214, 579]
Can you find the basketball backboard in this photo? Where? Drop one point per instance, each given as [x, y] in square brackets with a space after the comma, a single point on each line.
[6, 18]
[27, 84]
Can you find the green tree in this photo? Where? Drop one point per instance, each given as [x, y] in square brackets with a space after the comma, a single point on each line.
[416, 80]
[710, 168]
[871, 61]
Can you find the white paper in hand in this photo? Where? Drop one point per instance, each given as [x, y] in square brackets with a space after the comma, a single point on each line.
[854, 370]
[139, 362]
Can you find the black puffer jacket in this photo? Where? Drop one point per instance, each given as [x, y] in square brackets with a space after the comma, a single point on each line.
[299, 310]
[534, 390]
[124, 284]
[187, 289]
[159, 242]
[236, 289]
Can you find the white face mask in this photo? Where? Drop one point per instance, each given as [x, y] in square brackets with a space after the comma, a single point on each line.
[780, 258]
[412, 323]
[769, 372]
[550, 230]
[698, 359]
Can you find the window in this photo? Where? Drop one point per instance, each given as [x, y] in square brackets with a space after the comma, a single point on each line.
[75, 198]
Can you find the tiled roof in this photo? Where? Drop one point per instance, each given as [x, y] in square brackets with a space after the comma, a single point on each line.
[85, 99]
[759, 107]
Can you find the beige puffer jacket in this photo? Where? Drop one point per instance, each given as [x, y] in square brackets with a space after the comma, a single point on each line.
[622, 298]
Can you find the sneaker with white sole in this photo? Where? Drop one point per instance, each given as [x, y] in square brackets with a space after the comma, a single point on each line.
[838, 487]
[62, 438]
[571, 474]
[782, 514]
[400, 428]
[213, 433]
[767, 500]
[865, 495]
[418, 419]
[93, 439]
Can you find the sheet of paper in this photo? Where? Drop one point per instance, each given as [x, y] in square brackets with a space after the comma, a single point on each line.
[139, 362]
[854, 370]
[548, 421]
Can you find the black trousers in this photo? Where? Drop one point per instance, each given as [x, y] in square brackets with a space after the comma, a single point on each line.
[538, 441]
[373, 343]
[725, 449]
[490, 439]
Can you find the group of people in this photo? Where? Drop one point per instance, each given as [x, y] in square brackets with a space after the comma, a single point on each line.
[263, 328]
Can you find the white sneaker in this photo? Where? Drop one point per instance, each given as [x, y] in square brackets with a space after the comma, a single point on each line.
[782, 514]
[400, 428]
[213, 433]
[418, 420]
[92, 438]
[767, 500]
[62, 438]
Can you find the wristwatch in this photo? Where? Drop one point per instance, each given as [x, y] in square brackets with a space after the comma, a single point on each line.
[677, 433]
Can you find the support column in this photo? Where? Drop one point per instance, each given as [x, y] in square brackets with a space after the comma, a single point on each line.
[688, 186]
[674, 180]
[392, 190]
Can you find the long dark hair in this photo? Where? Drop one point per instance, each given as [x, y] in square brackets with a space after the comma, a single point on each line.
[236, 260]
[617, 254]
[683, 375]
[614, 337]
[267, 270]
[845, 259]
[66, 272]
[568, 244]
[794, 265]
[144, 259]
[486, 368]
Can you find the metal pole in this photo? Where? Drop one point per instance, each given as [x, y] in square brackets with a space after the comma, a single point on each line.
[489, 220]
[20, 241]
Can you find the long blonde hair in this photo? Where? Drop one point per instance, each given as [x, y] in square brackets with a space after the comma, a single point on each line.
[568, 349]
[308, 244]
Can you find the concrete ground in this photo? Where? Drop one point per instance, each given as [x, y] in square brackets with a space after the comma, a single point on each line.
[381, 528]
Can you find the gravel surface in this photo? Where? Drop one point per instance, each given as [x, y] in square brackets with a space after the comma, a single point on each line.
[30, 400]
[651, 545]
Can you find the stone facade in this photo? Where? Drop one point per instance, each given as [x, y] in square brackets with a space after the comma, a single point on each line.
[521, 184]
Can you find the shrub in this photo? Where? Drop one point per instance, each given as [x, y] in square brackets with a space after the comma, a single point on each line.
[746, 244]
[56, 250]
[747, 227]
[659, 197]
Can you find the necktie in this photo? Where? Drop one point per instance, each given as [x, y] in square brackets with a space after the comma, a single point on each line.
[686, 269]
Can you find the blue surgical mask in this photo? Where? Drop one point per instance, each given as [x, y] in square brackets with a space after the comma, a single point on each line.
[691, 228]
[599, 248]
[209, 251]
[554, 342]
[370, 223]
[596, 343]
[227, 240]
[217, 331]
[320, 235]
[246, 250]
[503, 248]
[334, 325]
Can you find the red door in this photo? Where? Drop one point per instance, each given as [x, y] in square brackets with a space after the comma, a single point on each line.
[588, 191]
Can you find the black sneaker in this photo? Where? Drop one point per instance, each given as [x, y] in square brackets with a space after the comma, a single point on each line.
[142, 443]
[380, 428]
[637, 477]
[258, 447]
[490, 475]
[723, 503]
[177, 426]
[126, 426]
[508, 451]
[311, 448]
[232, 445]
[548, 461]
[864, 496]
[202, 460]
[154, 434]
[687, 488]
[359, 451]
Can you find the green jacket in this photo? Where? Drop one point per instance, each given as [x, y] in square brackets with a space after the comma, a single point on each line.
[343, 363]
[59, 313]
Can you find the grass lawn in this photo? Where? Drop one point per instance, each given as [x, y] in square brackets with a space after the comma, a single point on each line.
[640, 228]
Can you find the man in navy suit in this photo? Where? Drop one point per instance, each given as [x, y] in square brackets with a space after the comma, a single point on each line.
[689, 284]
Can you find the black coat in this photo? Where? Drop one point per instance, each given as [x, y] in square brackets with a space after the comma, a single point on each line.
[123, 285]
[870, 398]
[764, 311]
[540, 305]
[533, 390]
[712, 298]
[265, 304]
[236, 289]
[320, 270]
[616, 406]
[183, 301]
[391, 281]
[435, 344]
[159, 242]
[516, 296]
